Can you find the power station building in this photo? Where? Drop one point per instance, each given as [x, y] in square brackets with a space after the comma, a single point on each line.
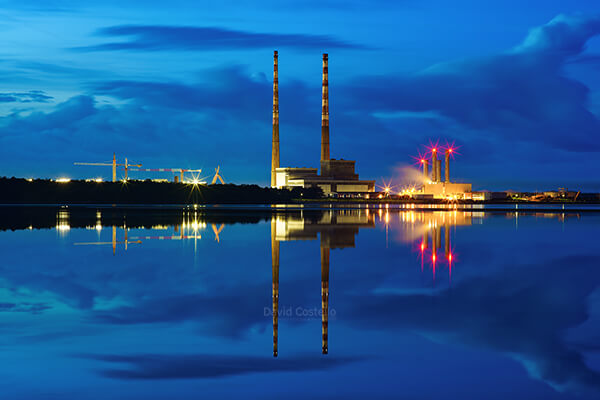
[434, 187]
[337, 176]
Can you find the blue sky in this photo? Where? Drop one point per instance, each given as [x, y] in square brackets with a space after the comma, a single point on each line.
[188, 85]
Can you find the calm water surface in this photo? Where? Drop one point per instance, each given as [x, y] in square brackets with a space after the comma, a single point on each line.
[100, 303]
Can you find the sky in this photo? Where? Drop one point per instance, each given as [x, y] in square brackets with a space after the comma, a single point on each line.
[188, 84]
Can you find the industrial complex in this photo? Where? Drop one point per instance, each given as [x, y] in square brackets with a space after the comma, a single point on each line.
[337, 176]
[434, 187]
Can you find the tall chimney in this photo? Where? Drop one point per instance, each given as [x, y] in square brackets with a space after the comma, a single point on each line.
[275, 144]
[438, 173]
[325, 113]
[447, 166]
[426, 169]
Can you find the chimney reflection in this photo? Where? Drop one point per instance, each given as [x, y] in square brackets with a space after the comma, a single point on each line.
[435, 222]
[324, 296]
[336, 230]
[275, 288]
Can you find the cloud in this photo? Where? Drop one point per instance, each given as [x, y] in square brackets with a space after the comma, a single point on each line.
[159, 38]
[208, 309]
[188, 366]
[33, 96]
[564, 36]
[521, 95]
[33, 308]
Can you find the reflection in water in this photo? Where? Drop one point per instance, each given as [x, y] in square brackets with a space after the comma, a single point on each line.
[62, 222]
[188, 228]
[337, 230]
[493, 312]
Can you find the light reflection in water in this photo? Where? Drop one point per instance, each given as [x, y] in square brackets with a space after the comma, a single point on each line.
[424, 231]
[189, 228]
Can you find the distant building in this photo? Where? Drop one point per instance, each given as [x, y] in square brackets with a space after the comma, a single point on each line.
[445, 190]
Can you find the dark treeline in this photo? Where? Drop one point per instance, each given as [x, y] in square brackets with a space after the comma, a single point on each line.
[41, 191]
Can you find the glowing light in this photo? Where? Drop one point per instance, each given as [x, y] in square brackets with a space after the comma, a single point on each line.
[98, 180]
[63, 180]
[422, 247]
[29, 179]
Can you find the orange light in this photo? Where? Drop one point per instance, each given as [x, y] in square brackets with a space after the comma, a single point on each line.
[433, 257]
[422, 247]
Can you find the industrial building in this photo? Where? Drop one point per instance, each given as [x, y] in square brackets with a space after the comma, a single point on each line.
[338, 177]
[434, 186]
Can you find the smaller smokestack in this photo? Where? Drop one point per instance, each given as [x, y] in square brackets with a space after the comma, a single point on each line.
[434, 177]
[325, 111]
[447, 166]
[426, 169]
[438, 173]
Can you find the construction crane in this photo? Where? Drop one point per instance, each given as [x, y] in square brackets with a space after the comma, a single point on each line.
[181, 171]
[114, 166]
[217, 231]
[217, 176]
[114, 241]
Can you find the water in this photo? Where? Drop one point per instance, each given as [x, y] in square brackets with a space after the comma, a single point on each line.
[145, 303]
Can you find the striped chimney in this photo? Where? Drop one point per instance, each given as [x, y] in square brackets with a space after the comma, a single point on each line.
[324, 297]
[275, 144]
[325, 112]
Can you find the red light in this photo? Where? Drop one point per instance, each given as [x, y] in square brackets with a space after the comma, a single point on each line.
[422, 247]
[433, 257]
[450, 257]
